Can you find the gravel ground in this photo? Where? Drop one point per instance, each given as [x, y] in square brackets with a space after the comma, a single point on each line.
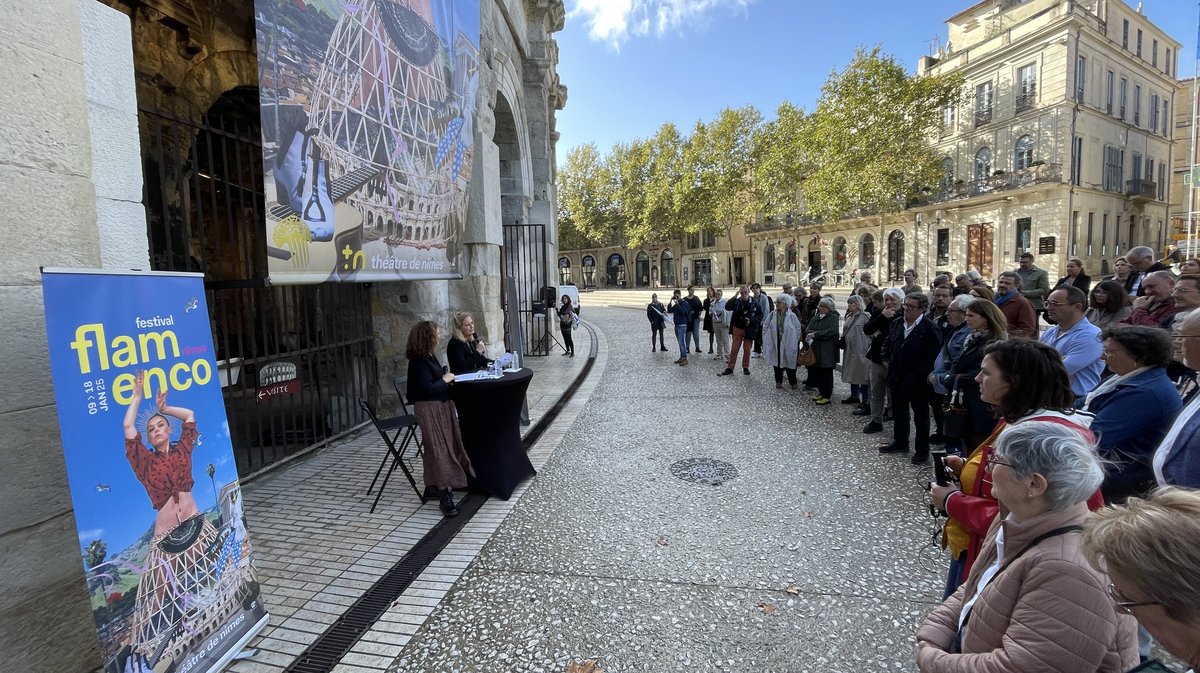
[816, 556]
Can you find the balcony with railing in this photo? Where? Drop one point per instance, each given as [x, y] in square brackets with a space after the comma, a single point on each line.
[1039, 174]
[983, 116]
[1140, 190]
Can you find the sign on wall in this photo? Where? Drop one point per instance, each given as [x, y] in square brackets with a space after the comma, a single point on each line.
[151, 470]
[368, 125]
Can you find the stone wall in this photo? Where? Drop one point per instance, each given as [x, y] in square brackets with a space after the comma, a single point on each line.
[69, 164]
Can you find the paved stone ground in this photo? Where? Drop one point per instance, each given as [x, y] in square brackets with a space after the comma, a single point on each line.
[317, 547]
[608, 556]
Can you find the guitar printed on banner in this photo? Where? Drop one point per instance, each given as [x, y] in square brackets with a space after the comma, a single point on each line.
[310, 208]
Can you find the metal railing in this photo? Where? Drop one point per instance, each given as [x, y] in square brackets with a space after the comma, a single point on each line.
[1141, 189]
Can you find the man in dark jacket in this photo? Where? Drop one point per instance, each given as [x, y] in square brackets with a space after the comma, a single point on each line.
[697, 305]
[745, 319]
[681, 315]
[1141, 259]
[878, 328]
[909, 353]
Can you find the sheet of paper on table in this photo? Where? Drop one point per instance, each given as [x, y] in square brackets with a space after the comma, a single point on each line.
[473, 376]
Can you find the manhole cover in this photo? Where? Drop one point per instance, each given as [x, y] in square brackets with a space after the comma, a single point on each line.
[704, 471]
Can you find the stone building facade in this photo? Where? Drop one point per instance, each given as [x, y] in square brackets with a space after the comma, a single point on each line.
[88, 186]
[693, 259]
[1061, 149]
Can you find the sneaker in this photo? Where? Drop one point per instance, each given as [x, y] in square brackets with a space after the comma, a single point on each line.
[894, 447]
[864, 410]
[746, 371]
[851, 400]
[817, 396]
[449, 509]
[872, 428]
[727, 372]
[756, 355]
[821, 400]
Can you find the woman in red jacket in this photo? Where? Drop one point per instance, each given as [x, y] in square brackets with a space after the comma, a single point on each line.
[1045, 396]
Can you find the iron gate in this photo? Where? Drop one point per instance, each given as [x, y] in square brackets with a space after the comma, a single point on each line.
[204, 208]
[525, 261]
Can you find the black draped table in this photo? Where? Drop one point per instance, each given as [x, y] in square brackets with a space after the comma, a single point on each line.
[489, 415]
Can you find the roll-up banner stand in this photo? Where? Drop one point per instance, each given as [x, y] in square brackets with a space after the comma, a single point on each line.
[151, 470]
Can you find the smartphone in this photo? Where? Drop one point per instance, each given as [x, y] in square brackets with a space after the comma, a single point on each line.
[940, 474]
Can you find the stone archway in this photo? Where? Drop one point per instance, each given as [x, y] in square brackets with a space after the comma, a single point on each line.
[508, 144]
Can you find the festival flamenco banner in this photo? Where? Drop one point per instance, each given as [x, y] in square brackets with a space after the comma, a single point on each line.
[368, 125]
[151, 470]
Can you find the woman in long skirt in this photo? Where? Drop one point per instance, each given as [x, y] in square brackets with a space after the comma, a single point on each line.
[444, 457]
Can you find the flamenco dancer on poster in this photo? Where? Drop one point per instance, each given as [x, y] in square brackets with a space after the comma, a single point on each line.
[177, 568]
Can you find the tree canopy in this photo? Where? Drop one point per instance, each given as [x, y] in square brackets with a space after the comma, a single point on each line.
[866, 148]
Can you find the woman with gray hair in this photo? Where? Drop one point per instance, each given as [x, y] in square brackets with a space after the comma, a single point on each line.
[781, 339]
[1033, 602]
[1148, 548]
[856, 369]
[822, 337]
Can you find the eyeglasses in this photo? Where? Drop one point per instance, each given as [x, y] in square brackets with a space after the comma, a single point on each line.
[992, 463]
[1056, 303]
[1124, 604]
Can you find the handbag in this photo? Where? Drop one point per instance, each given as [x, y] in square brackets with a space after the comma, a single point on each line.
[956, 417]
[806, 357]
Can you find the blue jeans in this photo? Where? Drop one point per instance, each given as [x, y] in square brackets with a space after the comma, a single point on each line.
[861, 391]
[694, 330]
[954, 577]
[681, 334]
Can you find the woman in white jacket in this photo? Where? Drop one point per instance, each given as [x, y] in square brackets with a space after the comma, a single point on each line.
[781, 340]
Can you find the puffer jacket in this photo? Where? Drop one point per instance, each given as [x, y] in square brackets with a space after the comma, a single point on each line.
[1049, 610]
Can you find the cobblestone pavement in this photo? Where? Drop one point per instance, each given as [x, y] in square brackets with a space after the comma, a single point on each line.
[816, 556]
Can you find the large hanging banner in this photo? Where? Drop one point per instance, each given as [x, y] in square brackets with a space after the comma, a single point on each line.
[368, 124]
[151, 470]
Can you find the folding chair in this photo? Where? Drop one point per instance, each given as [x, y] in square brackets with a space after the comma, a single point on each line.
[406, 425]
[400, 383]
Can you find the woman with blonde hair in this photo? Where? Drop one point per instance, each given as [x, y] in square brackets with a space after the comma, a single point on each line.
[856, 369]
[465, 353]
[983, 292]
[1148, 548]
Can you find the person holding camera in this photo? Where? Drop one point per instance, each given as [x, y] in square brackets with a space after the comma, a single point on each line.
[1033, 602]
[745, 320]
[1023, 380]
[681, 314]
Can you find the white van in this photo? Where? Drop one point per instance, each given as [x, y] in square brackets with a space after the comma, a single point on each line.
[572, 292]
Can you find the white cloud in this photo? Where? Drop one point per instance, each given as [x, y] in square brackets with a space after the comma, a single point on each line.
[89, 535]
[616, 21]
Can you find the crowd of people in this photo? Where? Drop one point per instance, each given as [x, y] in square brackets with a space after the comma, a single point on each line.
[1070, 455]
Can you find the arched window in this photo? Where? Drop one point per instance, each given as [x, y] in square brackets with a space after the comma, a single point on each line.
[564, 270]
[769, 258]
[983, 164]
[791, 257]
[589, 271]
[667, 262]
[866, 252]
[839, 253]
[642, 272]
[1023, 153]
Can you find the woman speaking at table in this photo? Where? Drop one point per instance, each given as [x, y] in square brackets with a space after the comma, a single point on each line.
[444, 458]
[465, 352]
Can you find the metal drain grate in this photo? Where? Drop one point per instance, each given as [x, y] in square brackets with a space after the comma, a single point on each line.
[704, 471]
[329, 648]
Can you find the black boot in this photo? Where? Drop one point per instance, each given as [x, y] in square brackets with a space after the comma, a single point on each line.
[447, 505]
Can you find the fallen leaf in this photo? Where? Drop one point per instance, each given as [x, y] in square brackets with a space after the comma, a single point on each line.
[767, 608]
[809, 515]
[662, 541]
[586, 666]
[792, 590]
[847, 494]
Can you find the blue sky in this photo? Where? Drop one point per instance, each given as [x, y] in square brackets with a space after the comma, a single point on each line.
[630, 65]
